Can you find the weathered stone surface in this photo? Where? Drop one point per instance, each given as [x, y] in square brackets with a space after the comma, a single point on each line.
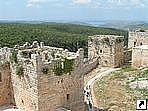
[35, 90]
[108, 49]
[140, 56]
[5, 84]
[137, 38]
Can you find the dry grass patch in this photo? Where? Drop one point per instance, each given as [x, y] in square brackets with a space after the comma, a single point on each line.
[113, 90]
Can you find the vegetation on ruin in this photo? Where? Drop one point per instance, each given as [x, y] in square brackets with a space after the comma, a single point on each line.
[45, 70]
[119, 40]
[113, 91]
[19, 70]
[13, 57]
[105, 41]
[25, 54]
[68, 67]
[4, 64]
[67, 36]
[58, 71]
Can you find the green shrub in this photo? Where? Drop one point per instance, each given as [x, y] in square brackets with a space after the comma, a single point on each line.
[45, 70]
[25, 54]
[13, 57]
[19, 70]
[58, 71]
[145, 73]
[68, 67]
[105, 41]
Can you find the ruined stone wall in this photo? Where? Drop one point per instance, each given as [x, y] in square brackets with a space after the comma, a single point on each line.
[6, 93]
[137, 38]
[5, 84]
[90, 65]
[140, 57]
[136, 58]
[108, 49]
[36, 91]
[61, 91]
[127, 55]
[119, 54]
[25, 85]
[145, 58]
[106, 60]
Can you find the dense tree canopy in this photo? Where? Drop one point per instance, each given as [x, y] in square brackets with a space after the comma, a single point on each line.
[67, 36]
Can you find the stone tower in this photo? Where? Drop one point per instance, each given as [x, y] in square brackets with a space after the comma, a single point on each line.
[140, 56]
[47, 79]
[108, 49]
[137, 38]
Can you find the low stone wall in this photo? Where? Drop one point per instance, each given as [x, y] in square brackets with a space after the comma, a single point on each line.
[90, 65]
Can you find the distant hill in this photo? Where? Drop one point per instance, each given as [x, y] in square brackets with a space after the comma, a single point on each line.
[69, 36]
[117, 24]
[126, 25]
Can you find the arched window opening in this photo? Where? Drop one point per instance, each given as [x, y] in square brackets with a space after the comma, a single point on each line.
[22, 102]
[68, 96]
[46, 56]
[141, 43]
[134, 44]
[61, 80]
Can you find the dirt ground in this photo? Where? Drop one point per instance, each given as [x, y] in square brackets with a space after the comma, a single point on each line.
[113, 92]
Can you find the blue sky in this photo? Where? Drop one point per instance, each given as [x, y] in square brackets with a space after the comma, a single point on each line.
[74, 10]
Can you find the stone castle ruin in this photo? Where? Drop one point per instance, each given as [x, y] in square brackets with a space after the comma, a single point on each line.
[138, 42]
[140, 56]
[137, 38]
[41, 78]
[108, 49]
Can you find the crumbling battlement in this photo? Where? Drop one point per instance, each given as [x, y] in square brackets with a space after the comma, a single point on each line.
[4, 55]
[137, 38]
[108, 49]
[46, 55]
[45, 78]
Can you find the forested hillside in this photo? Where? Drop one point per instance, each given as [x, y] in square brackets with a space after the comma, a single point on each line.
[53, 34]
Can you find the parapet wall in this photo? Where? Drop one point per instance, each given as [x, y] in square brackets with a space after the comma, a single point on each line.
[137, 38]
[90, 65]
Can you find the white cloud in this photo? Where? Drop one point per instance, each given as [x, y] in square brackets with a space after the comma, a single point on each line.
[31, 3]
[127, 3]
[82, 1]
[93, 3]
[36, 3]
